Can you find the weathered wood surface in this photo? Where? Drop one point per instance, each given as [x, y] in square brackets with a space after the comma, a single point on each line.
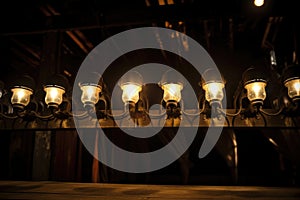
[262, 121]
[68, 190]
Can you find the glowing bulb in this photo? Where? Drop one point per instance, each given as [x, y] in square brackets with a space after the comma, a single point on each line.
[131, 92]
[293, 88]
[1, 89]
[131, 84]
[259, 3]
[21, 96]
[256, 91]
[54, 95]
[90, 94]
[297, 86]
[172, 92]
[213, 91]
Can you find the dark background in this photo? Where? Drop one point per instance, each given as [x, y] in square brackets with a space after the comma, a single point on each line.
[43, 37]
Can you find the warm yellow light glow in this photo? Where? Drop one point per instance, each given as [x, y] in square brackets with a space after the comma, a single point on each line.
[256, 91]
[214, 91]
[54, 95]
[293, 88]
[161, 2]
[131, 92]
[90, 94]
[21, 96]
[172, 92]
[259, 3]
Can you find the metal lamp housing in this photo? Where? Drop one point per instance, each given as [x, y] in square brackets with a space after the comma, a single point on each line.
[213, 84]
[90, 93]
[131, 84]
[172, 83]
[291, 80]
[255, 83]
[21, 96]
[22, 91]
[55, 87]
[54, 95]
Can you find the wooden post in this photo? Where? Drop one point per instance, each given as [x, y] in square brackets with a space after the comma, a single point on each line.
[95, 167]
[41, 155]
[42, 146]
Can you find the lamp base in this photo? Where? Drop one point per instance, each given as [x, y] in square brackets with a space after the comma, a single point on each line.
[171, 104]
[296, 99]
[173, 109]
[18, 107]
[53, 105]
[257, 103]
[255, 106]
[215, 103]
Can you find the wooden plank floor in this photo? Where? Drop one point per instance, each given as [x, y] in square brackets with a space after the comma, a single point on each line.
[65, 190]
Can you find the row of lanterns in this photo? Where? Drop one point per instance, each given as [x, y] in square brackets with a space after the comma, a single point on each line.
[213, 87]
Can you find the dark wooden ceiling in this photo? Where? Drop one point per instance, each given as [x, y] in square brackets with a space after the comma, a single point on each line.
[235, 33]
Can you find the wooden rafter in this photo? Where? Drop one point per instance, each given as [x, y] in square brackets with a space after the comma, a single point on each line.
[30, 50]
[76, 35]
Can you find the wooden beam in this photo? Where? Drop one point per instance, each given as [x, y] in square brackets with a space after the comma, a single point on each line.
[65, 190]
[207, 33]
[41, 156]
[30, 50]
[50, 11]
[50, 63]
[84, 39]
[231, 33]
[267, 122]
[266, 33]
[116, 18]
[31, 62]
[77, 41]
